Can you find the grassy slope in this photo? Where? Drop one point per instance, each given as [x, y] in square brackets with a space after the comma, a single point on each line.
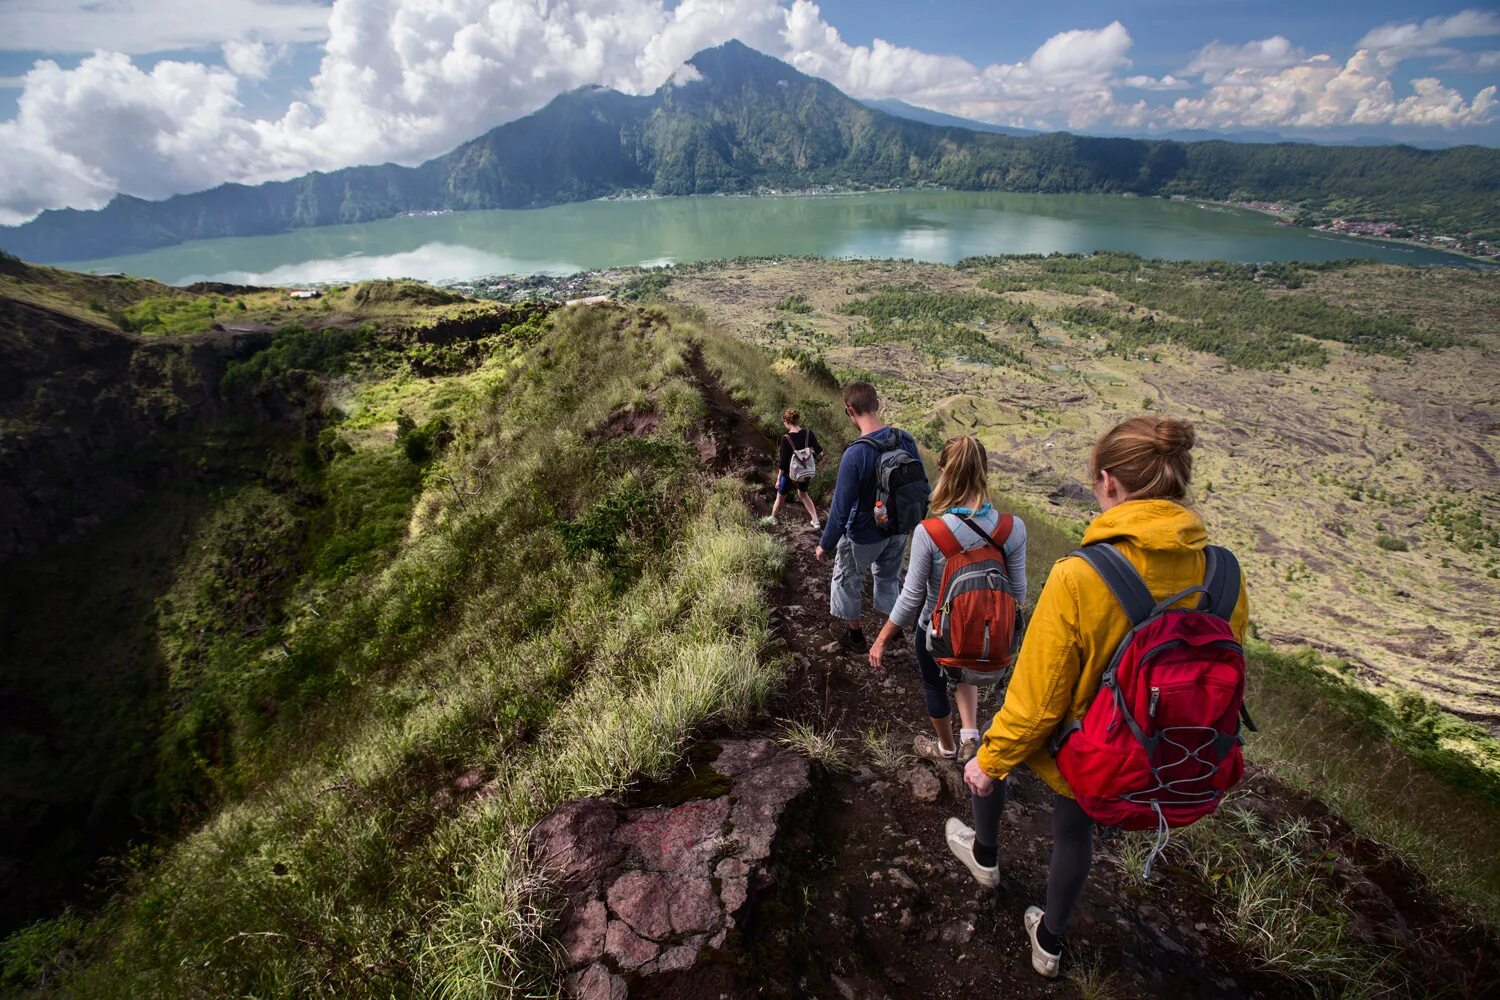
[563, 626]
[563, 629]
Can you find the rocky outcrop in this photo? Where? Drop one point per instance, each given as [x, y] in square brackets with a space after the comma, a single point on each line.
[652, 889]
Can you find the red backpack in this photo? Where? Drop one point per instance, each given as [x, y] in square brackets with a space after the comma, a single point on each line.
[976, 622]
[1159, 746]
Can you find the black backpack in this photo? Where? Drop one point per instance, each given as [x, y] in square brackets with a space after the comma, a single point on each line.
[901, 489]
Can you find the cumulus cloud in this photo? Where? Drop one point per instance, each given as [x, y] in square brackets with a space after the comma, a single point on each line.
[82, 134]
[1473, 62]
[1069, 75]
[1168, 82]
[144, 26]
[404, 80]
[1320, 92]
[1427, 37]
[1217, 60]
[252, 60]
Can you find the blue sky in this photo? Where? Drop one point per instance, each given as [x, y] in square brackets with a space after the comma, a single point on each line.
[152, 97]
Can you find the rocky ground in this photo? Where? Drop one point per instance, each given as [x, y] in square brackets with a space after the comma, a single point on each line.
[750, 874]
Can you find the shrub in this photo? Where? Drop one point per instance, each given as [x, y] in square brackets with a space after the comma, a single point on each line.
[1391, 543]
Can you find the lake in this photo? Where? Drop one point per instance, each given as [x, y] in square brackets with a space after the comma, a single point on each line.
[941, 226]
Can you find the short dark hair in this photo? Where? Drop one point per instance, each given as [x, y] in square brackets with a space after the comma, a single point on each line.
[860, 397]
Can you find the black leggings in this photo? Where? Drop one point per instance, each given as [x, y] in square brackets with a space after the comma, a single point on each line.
[1072, 849]
[934, 679]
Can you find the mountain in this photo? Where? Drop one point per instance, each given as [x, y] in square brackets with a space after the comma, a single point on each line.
[749, 121]
[901, 109]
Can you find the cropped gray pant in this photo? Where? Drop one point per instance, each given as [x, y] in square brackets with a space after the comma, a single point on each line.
[851, 561]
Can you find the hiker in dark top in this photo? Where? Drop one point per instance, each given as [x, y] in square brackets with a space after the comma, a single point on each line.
[860, 546]
[798, 441]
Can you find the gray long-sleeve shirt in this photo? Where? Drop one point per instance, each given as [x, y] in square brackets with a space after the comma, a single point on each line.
[924, 571]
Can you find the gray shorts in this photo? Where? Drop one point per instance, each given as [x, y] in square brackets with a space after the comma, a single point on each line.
[851, 561]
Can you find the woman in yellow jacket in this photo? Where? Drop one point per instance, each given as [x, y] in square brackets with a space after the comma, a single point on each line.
[1140, 471]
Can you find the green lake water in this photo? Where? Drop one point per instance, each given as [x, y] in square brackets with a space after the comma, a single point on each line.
[943, 226]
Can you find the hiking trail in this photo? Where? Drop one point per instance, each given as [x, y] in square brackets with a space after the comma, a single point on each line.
[858, 896]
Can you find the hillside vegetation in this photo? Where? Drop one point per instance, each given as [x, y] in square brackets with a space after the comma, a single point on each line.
[751, 122]
[507, 558]
[562, 611]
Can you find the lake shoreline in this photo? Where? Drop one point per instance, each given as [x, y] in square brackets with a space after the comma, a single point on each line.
[931, 224]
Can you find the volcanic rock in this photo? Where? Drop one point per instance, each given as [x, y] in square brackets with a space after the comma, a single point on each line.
[651, 888]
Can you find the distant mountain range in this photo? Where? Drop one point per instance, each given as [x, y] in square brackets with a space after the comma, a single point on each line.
[902, 109]
[750, 121]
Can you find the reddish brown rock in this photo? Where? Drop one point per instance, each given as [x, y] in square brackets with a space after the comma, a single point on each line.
[651, 888]
[583, 936]
[574, 839]
[627, 947]
[665, 838]
[596, 983]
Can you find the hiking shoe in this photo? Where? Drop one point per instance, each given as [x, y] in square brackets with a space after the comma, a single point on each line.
[967, 750]
[961, 843]
[1042, 960]
[853, 641]
[929, 747]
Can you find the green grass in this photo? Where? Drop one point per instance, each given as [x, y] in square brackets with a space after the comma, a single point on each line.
[1391, 544]
[1237, 311]
[174, 314]
[1406, 774]
[441, 625]
[943, 324]
[347, 860]
[819, 746]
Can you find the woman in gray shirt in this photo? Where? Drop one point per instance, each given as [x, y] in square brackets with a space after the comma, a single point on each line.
[962, 491]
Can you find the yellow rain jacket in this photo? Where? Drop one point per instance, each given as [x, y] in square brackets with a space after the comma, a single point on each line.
[1077, 625]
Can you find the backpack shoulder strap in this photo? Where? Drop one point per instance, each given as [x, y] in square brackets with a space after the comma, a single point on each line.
[1221, 581]
[942, 536]
[1002, 531]
[1122, 579]
[866, 439]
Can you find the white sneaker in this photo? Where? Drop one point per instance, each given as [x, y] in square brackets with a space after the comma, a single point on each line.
[817, 525]
[1042, 960]
[961, 843]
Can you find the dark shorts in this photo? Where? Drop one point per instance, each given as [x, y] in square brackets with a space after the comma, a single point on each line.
[785, 485]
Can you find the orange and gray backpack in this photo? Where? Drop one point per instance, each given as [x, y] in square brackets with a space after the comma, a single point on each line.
[976, 624]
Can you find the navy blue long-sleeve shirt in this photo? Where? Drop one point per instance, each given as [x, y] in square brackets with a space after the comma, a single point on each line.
[851, 512]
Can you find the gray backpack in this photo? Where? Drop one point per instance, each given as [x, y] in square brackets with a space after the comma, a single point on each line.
[901, 488]
[804, 464]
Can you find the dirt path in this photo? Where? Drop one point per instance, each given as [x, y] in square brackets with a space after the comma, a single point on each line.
[867, 902]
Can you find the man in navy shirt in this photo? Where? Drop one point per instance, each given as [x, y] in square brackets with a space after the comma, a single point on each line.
[859, 546]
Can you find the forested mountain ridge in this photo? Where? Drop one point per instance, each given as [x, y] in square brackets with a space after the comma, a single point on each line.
[740, 121]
